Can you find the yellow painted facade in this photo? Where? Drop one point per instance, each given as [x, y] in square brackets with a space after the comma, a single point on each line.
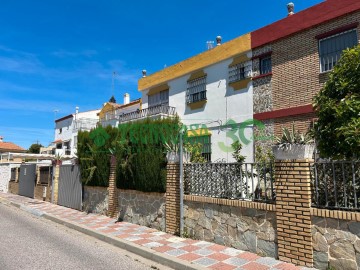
[235, 47]
[109, 107]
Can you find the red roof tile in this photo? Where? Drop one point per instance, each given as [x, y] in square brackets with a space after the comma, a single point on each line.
[9, 146]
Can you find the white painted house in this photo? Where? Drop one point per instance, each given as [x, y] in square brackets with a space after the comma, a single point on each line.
[67, 127]
[212, 94]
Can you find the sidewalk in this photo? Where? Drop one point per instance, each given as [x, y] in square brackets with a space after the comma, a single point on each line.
[166, 249]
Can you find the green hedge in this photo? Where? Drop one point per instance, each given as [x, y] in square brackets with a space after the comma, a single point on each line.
[139, 149]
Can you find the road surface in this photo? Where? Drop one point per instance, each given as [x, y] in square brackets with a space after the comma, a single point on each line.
[29, 242]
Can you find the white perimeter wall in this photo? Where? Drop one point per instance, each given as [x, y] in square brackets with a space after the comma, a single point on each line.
[5, 174]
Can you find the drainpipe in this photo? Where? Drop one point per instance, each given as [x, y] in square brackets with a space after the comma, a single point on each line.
[181, 185]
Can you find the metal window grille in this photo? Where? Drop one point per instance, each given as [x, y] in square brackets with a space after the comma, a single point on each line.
[196, 90]
[205, 141]
[331, 48]
[246, 181]
[265, 65]
[239, 72]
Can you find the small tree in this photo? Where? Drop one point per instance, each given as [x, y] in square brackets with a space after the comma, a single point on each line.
[35, 148]
[236, 146]
[337, 105]
[112, 99]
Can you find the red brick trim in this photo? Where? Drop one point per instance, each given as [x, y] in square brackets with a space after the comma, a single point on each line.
[338, 30]
[235, 203]
[261, 55]
[337, 214]
[261, 76]
[284, 112]
[303, 20]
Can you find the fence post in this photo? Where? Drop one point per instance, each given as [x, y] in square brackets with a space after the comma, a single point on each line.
[293, 203]
[113, 203]
[172, 205]
[56, 182]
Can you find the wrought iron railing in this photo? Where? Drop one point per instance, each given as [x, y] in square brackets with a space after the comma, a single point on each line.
[85, 124]
[336, 185]
[247, 181]
[148, 112]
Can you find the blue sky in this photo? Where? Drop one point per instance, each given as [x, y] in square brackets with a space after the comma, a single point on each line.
[56, 55]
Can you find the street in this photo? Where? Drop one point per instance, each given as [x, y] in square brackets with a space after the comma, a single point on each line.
[29, 242]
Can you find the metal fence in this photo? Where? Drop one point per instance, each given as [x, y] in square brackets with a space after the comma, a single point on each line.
[247, 181]
[336, 185]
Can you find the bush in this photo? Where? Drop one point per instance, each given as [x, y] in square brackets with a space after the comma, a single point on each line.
[139, 149]
[337, 105]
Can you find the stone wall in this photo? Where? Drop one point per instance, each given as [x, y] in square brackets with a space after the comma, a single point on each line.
[336, 243]
[243, 228]
[95, 200]
[143, 208]
[5, 173]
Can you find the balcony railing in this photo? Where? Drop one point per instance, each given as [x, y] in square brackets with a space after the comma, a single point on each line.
[85, 124]
[148, 112]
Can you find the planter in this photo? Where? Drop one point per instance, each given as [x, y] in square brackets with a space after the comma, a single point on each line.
[294, 151]
[174, 157]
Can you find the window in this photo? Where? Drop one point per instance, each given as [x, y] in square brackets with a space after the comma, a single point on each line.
[265, 65]
[330, 48]
[161, 98]
[205, 141]
[239, 72]
[196, 90]
[60, 130]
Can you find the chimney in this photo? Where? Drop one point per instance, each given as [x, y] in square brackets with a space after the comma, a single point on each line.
[126, 98]
[144, 73]
[1, 138]
[218, 40]
[76, 110]
[290, 8]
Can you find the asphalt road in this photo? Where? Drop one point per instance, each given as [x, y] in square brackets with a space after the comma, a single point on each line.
[29, 242]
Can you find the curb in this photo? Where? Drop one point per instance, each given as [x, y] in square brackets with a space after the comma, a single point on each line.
[144, 252]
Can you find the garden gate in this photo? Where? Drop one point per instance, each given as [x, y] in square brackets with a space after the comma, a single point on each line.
[27, 180]
[70, 188]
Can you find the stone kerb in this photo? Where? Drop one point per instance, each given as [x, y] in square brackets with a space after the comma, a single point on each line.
[293, 211]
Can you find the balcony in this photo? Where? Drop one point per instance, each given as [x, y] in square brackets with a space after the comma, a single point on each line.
[158, 111]
[85, 124]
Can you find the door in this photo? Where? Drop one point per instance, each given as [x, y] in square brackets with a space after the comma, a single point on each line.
[27, 180]
[70, 189]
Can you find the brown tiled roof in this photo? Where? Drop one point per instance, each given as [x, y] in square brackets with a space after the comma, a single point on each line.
[9, 147]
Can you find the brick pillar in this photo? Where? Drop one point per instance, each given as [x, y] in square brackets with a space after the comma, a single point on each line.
[56, 182]
[172, 206]
[293, 203]
[113, 203]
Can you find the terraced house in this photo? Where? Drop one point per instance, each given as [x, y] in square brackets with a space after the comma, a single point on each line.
[292, 59]
[270, 75]
[212, 94]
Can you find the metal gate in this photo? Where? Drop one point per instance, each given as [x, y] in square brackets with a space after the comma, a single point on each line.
[70, 189]
[27, 180]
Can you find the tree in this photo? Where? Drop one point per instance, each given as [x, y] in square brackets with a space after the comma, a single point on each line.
[34, 148]
[112, 99]
[337, 105]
